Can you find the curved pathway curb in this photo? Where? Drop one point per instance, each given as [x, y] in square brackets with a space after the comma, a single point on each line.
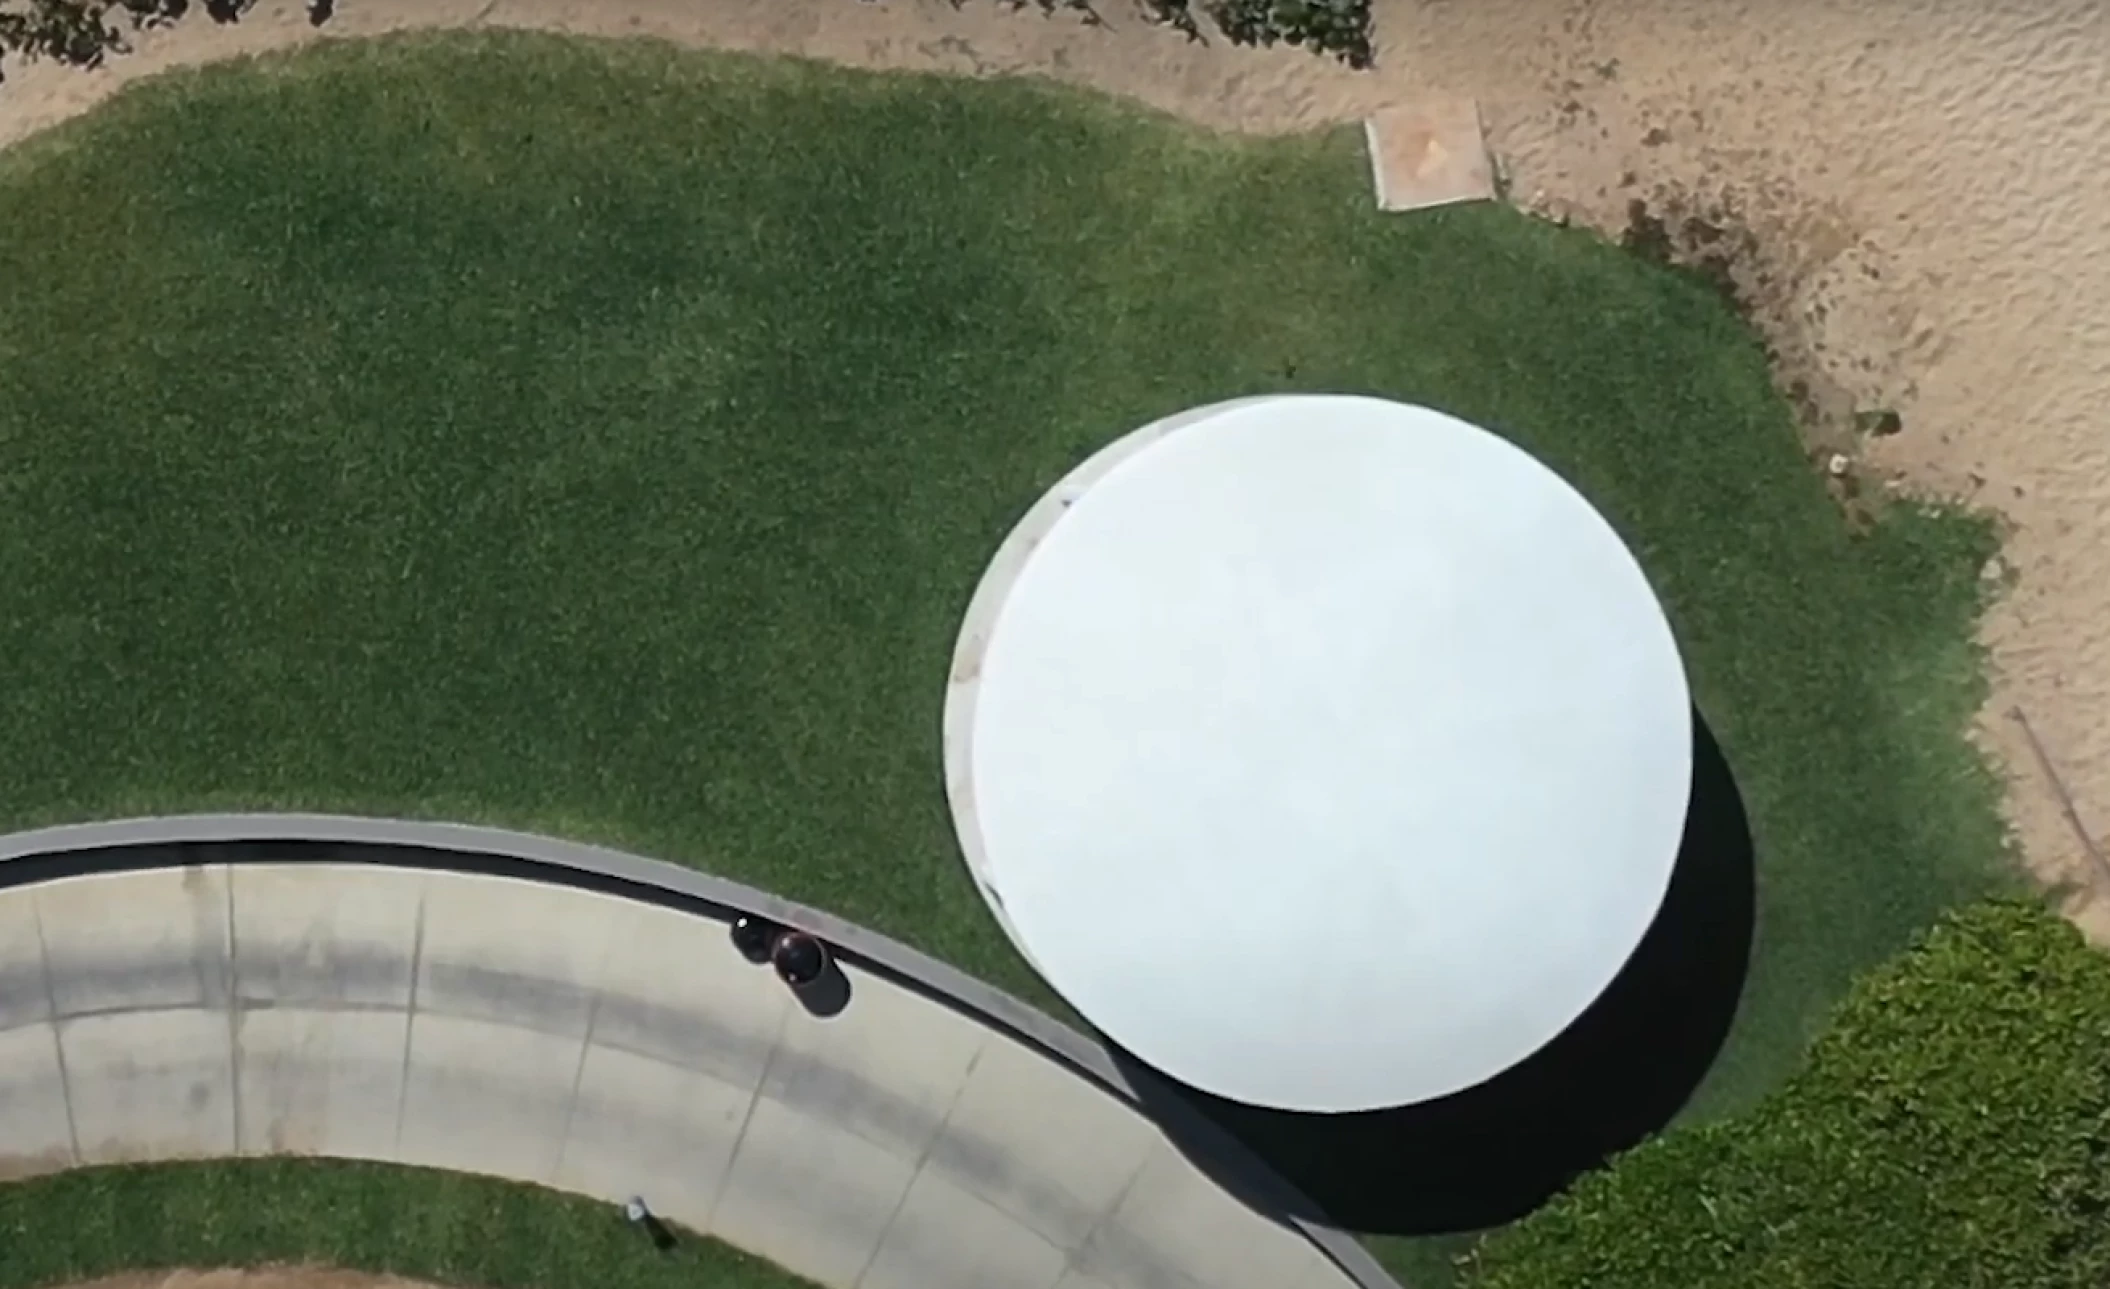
[576, 1017]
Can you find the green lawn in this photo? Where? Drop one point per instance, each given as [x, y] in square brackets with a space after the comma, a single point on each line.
[449, 1228]
[604, 440]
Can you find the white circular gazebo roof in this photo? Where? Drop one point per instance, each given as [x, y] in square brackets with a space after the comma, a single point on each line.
[1325, 753]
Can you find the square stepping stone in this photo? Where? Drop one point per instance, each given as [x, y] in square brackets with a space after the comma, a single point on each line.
[1429, 154]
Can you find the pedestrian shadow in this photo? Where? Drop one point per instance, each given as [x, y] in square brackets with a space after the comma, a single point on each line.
[1494, 1152]
[661, 1235]
[827, 996]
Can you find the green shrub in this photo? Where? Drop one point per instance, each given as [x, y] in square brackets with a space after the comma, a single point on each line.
[1337, 27]
[67, 30]
[1951, 1128]
[81, 33]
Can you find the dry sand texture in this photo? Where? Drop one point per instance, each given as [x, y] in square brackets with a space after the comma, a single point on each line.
[1915, 196]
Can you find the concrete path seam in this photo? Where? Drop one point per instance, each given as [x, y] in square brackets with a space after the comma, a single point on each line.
[1150, 1212]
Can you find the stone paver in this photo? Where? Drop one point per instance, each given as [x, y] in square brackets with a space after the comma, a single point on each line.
[641, 1126]
[135, 941]
[320, 1082]
[1430, 153]
[807, 1194]
[325, 934]
[482, 1097]
[34, 1132]
[1174, 1215]
[23, 996]
[1071, 1157]
[941, 1223]
[150, 1084]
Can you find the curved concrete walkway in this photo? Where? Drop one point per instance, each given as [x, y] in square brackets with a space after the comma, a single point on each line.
[489, 1002]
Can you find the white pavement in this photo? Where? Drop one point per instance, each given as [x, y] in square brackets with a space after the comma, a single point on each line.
[599, 1045]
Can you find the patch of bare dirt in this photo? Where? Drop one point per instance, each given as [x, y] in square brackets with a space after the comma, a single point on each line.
[1907, 199]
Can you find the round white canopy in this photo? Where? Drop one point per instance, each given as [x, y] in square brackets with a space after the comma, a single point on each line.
[1325, 753]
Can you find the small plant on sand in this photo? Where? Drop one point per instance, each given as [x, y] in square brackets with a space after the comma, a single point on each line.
[1337, 27]
[67, 32]
[81, 33]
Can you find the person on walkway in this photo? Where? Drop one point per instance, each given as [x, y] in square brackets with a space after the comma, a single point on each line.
[755, 937]
[799, 958]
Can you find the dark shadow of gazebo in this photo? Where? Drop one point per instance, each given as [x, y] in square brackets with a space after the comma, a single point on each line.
[1496, 1151]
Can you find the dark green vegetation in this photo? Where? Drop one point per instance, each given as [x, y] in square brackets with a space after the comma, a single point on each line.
[603, 440]
[1337, 27]
[1952, 1127]
[449, 1228]
[85, 32]
[82, 33]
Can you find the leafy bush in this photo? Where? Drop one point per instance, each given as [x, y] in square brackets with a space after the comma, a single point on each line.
[80, 32]
[1951, 1128]
[1337, 27]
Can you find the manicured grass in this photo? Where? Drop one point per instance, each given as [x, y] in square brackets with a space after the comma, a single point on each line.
[604, 440]
[449, 1228]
